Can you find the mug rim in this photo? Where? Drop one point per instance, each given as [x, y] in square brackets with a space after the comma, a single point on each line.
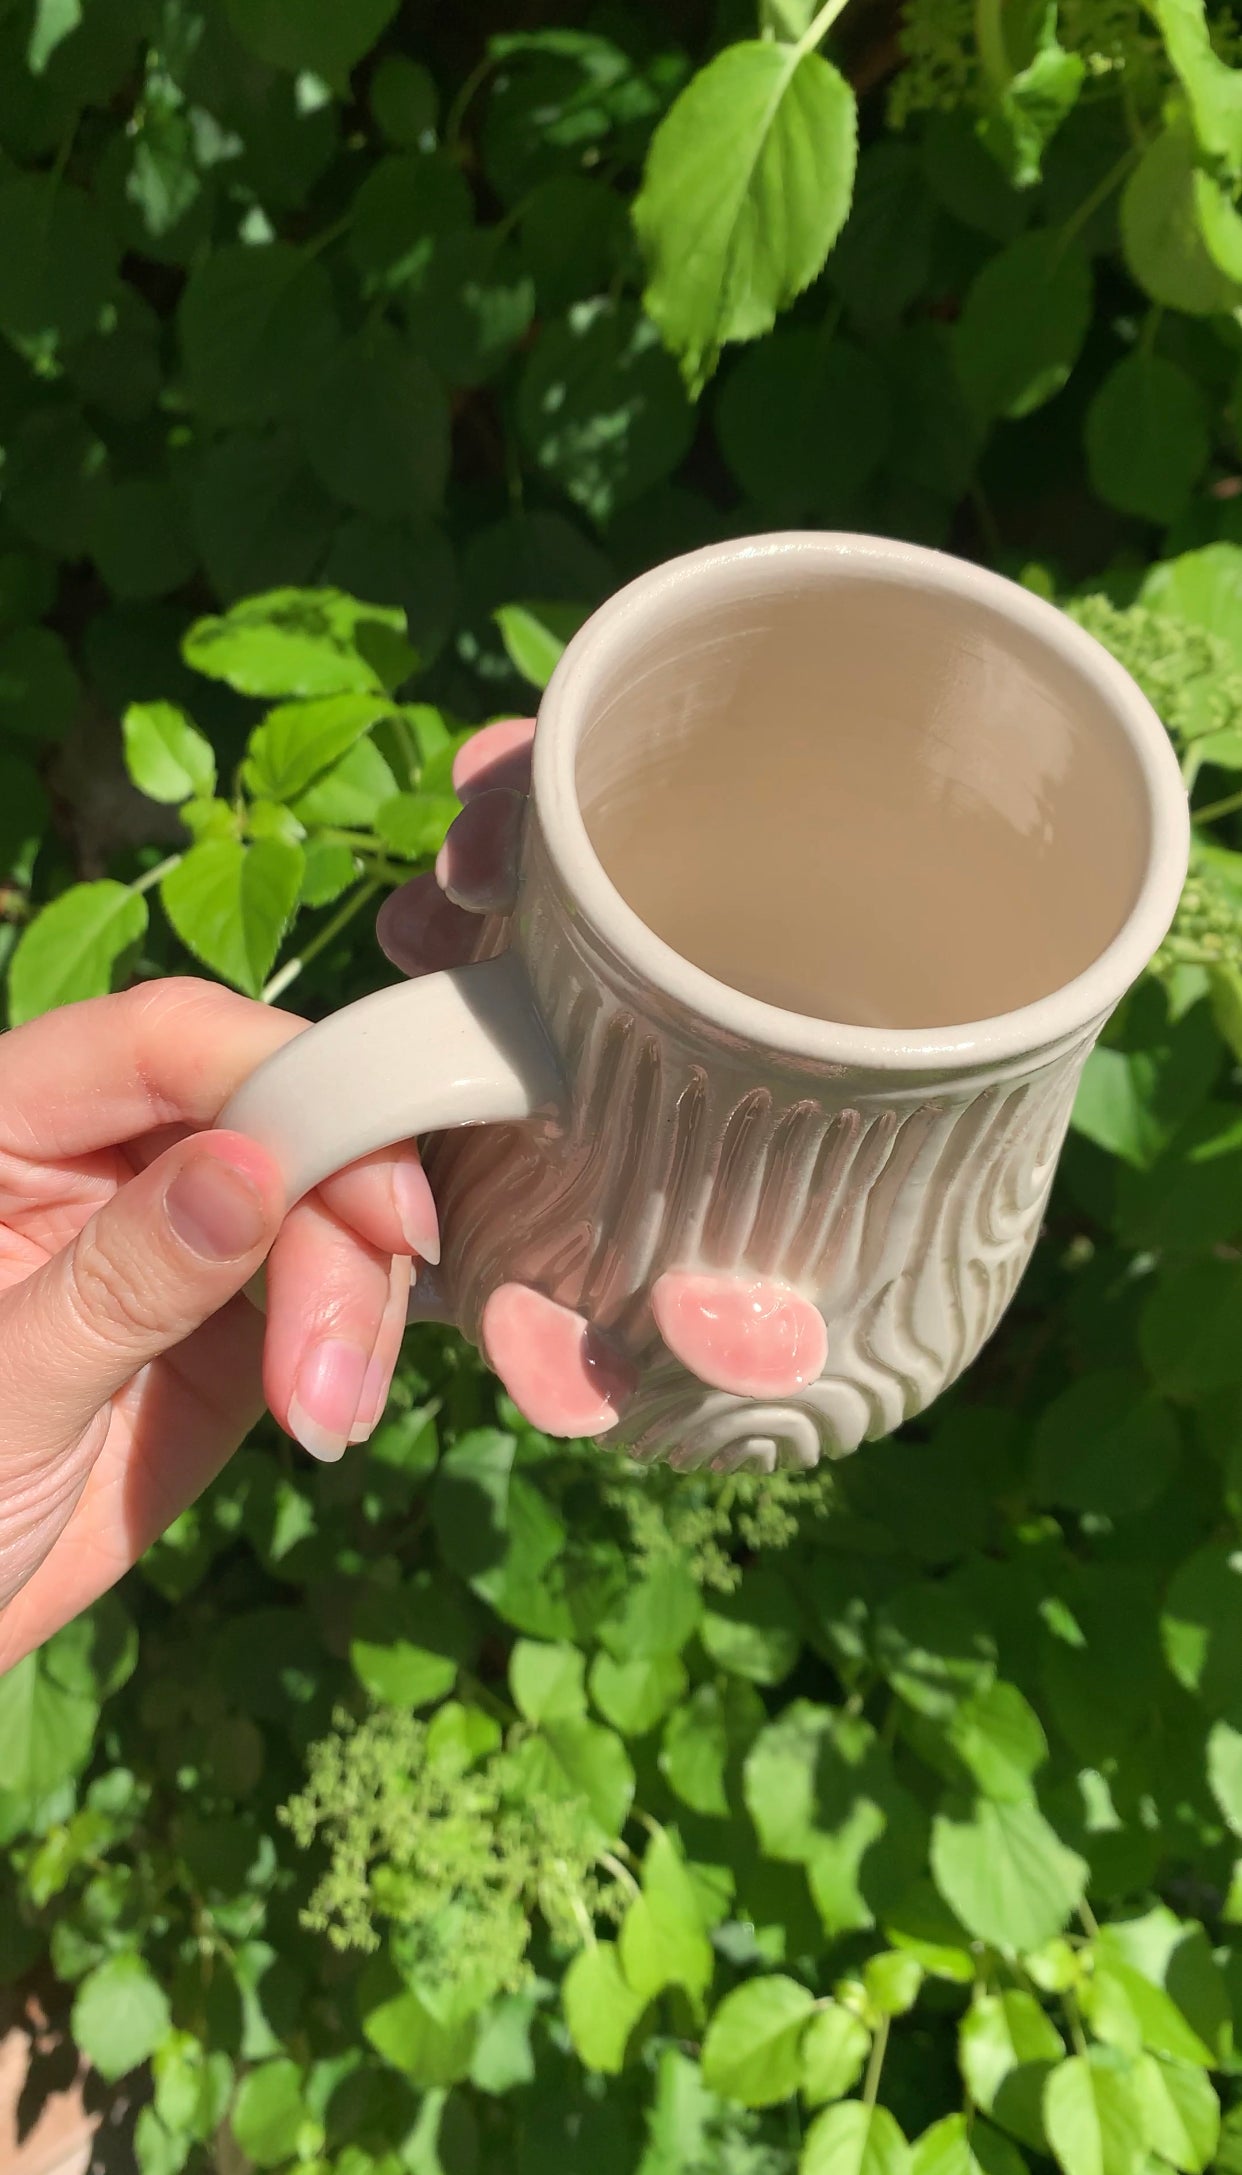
[1073, 1008]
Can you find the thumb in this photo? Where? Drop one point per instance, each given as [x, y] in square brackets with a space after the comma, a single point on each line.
[169, 1249]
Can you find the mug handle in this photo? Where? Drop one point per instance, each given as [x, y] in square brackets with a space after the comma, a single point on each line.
[462, 1047]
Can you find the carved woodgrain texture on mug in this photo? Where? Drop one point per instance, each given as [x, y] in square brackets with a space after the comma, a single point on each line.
[909, 1227]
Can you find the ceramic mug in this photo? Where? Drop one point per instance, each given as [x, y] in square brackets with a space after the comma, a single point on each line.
[677, 1216]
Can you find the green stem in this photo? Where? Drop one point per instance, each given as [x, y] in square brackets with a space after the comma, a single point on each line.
[156, 875]
[325, 240]
[409, 748]
[457, 111]
[1191, 761]
[990, 41]
[293, 967]
[879, 2047]
[1095, 197]
[1214, 809]
[1091, 1924]
[818, 28]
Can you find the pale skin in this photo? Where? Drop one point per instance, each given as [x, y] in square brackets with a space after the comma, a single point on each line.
[131, 1361]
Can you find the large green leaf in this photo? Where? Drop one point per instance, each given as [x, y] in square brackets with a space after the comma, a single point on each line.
[1005, 1873]
[601, 2008]
[303, 642]
[1181, 2111]
[854, 2139]
[600, 407]
[1161, 232]
[57, 259]
[663, 1941]
[253, 321]
[120, 2015]
[956, 2145]
[74, 947]
[268, 2112]
[165, 755]
[46, 1728]
[1213, 89]
[231, 904]
[1104, 1445]
[747, 185]
[1095, 2114]
[375, 426]
[1204, 587]
[1023, 323]
[751, 2047]
[298, 741]
[317, 36]
[1007, 2047]
[1147, 437]
[833, 2049]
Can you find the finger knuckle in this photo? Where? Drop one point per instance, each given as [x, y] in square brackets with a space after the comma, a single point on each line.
[112, 1302]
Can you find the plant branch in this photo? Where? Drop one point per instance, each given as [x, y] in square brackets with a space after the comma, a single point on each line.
[157, 874]
[879, 2047]
[1214, 809]
[818, 28]
[354, 904]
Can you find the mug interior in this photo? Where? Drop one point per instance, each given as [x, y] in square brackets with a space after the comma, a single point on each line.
[856, 793]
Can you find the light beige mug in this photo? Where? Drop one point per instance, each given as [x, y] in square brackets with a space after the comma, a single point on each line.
[740, 1156]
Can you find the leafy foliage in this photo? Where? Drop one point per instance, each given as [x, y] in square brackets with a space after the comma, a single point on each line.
[484, 1803]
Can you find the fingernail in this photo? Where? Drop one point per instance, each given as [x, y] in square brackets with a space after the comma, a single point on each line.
[215, 1210]
[376, 1384]
[327, 1393]
[416, 1210]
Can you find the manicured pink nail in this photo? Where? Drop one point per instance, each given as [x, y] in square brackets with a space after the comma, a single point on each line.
[326, 1396]
[416, 1210]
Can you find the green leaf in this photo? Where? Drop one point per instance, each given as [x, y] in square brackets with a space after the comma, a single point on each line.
[1094, 2115]
[231, 904]
[137, 537]
[1203, 587]
[192, 2086]
[1030, 93]
[853, 2139]
[754, 1632]
[577, 1758]
[1023, 323]
[351, 793]
[252, 320]
[1213, 89]
[1224, 1770]
[931, 1650]
[658, 1615]
[1128, 2010]
[1147, 437]
[403, 209]
[1201, 1626]
[699, 1738]
[663, 1941]
[312, 36]
[534, 636]
[120, 2015]
[831, 2053]
[167, 758]
[39, 691]
[547, 1682]
[958, 2146]
[258, 516]
[802, 424]
[268, 2112]
[747, 185]
[922, 1923]
[1008, 2047]
[430, 2049]
[298, 741]
[76, 947]
[399, 1670]
[46, 1729]
[883, 258]
[635, 1695]
[600, 407]
[303, 642]
[57, 259]
[1161, 234]
[1004, 1872]
[54, 21]
[327, 871]
[999, 1739]
[1104, 1445]
[892, 1980]
[781, 1778]
[403, 100]
[751, 2050]
[375, 426]
[1174, 1955]
[1181, 2113]
[601, 2008]
[1188, 1333]
[414, 826]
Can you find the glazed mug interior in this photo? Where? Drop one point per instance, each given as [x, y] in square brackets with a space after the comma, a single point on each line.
[862, 798]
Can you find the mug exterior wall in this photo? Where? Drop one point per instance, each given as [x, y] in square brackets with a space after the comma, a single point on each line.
[905, 1207]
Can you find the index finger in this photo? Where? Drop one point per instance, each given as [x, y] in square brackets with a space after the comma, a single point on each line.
[112, 1068]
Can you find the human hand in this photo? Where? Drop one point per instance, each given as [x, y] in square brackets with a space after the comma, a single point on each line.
[131, 1365]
